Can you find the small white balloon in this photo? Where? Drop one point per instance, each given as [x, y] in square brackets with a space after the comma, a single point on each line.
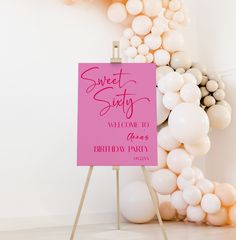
[205, 185]
[190, 92]
[152, 7]
[162, 111]
[195, 214]
[182, 183]
[177, 200]
[219, 94]
[161, 57]
[131, 52]
[128, 33]
[173, 41]
[188, 173]
[219, 116]
[152, 41]
[134, 7]
[117, 12]
[178, 159]
[164, 181]
[171, 82]
[135, 203]
[142, 25]
[188, 123]
[199, 149]
[192, 195]
[143, 49]
[166, 139]
[211, 86]
[171, 100]
[135, 41]
[210, 203]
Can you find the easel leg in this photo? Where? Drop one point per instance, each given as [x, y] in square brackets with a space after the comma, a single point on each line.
[81, 203]
[117, 169]
[155, 201]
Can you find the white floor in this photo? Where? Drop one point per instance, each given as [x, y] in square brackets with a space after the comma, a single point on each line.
[175, 231]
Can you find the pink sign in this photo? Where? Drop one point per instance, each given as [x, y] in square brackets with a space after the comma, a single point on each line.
[117, 115]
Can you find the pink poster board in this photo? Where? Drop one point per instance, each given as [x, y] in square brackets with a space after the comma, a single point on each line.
[117, 115]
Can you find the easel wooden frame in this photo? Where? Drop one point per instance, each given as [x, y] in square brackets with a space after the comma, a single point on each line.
[116, 59]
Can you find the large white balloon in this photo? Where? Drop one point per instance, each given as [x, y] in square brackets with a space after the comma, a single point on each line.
[162, 112]
[164, 181]
[173, 41]
[136, 204]
[166, 140]
[195, 214]
[188, 123]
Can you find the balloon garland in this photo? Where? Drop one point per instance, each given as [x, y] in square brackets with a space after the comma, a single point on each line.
[190, 101]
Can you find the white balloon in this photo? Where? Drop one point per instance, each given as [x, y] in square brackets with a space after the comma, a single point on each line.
[171, 82]
[166, 140]
[161, 160]
[195, 214]
[171, 100]
[219, 116]
[199, 149]
[131, 52]
[164, 181]
[188, 173]
[205, 186]
[117, 12]
[181, 60]
[198, 173]
[192, 195]
[142, 25]
[177, 200]
[190, 92]
[152, 41]
[178, 159]
[182, 183]
[188, 123]
[128, 33]
[135, 202]
[189, 78]
[173, 41]
[161, 57]
[134, 7]
[162, 71]
[210, 203]
[140, 59]
[162, 112]
[152, 7]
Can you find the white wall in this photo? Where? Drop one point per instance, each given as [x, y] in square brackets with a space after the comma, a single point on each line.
[40, 45]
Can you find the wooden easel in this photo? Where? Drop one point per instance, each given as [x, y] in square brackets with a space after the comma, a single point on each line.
[116, 59]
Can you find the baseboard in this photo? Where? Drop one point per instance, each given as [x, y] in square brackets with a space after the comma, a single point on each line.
[11, 224]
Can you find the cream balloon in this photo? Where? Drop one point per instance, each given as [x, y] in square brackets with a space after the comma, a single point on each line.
[167, 211]
[190, 92]
[188, 173]
[226, 193]
[178, 159]
[189, 78]
[199, 149]
[218, 219]
[177, 200]
[183, 183]
[232, 214]
[210, 203]
[162, 71]
[188, 123]
[152, 7]
[135, 203]
[134, 7]
[161, 57]
[205, 186]
[152, 41]
[162, 112]
[219, 116]
[166, 140]
[173, 41]
[195, 214]
[164, 181]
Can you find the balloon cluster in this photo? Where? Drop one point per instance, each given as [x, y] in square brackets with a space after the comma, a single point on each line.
[190, 100]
